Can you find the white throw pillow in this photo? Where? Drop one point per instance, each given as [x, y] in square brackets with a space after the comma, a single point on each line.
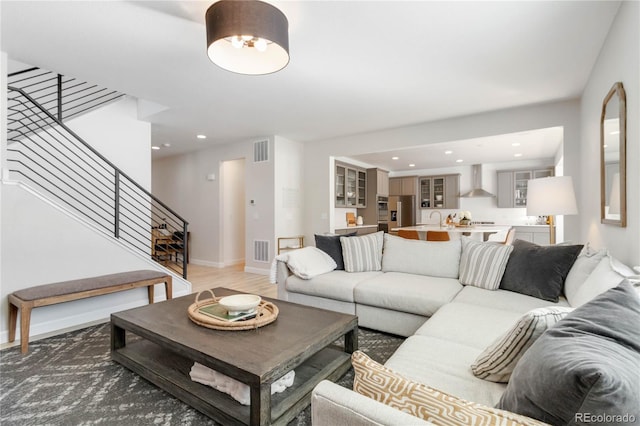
[483, 264]
[308, 262]
[432, 258]
[496, 362]
[604, 277]
[362, 253]
[584, 265]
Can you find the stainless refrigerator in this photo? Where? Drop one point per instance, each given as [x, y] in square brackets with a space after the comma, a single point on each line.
[402, 211]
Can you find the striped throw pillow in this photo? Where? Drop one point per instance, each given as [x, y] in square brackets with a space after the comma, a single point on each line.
[384, 385]
[483, 264]
[362, 253]
[496, 363]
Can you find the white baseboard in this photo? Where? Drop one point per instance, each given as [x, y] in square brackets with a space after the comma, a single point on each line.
[206, 263]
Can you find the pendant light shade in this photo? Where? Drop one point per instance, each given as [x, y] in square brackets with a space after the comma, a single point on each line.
[247, 36]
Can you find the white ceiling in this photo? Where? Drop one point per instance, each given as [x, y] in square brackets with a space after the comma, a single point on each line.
[356, 66]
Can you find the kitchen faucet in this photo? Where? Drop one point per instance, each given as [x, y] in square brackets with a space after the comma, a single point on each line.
[439, 215]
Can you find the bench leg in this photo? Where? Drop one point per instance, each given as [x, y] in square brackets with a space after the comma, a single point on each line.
[25, 320]
[150, 291]
[168, 287]
[13, 321]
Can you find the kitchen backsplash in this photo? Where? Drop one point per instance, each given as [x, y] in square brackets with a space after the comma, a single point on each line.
[483, 209]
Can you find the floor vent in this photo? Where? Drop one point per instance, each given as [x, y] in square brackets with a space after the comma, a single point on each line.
[261, 251]
[261, 151]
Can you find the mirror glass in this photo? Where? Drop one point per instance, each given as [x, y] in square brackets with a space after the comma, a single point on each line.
[613, 209]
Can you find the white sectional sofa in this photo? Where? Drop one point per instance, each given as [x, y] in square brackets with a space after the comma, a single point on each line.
[418, 293]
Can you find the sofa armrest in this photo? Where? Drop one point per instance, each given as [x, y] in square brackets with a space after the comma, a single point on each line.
[282, 273]
[332, 404]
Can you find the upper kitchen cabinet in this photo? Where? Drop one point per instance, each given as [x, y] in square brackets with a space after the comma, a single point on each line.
[351, 186]
[403, 185]
[440, 192]
[382, 180]
[512, 186]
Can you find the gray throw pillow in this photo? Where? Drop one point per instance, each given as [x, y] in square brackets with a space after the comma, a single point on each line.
[330, 244]
[586, 368]
[539, 271]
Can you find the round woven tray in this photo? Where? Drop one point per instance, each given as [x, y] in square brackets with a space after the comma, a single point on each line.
[267, 313]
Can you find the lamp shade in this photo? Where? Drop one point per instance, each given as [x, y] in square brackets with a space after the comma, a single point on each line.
[247, 36]
[551, 196]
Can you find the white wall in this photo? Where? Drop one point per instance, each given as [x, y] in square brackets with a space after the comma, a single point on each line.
[318, 161]
[233, 206]
[619, 60]
[181, 182]
[289, 194]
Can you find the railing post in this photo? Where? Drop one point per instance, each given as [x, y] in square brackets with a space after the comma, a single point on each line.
[60, 97]
[116, 199]
[186, 249]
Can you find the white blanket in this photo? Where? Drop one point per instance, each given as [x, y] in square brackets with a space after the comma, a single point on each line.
[237, 390]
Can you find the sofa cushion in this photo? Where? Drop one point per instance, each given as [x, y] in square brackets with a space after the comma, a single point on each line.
[468, 324]
[363, 253]
[384, 385]
[496, 362]
[504, 300]
[435, 259]
[331, 245]
[482, 264]
[308, 262]
[602, 278]
[587, 364]
[416, 294]
[539, 271]
[584, 265]
[337, 285]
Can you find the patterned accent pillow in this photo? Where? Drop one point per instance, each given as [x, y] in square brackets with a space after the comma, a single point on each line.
[483, 264]
[362, 253]
[496, 362]
[382, 384]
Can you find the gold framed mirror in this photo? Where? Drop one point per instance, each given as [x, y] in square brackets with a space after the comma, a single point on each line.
[613, 158]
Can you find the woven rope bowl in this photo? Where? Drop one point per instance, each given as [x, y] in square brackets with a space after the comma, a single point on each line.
[266, 313]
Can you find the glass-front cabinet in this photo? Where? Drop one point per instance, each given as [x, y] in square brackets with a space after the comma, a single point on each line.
[521, 180]
[439, 192]
[512, 186]
[351, 186]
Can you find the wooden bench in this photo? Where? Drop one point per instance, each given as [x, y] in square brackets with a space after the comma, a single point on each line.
[51, 294]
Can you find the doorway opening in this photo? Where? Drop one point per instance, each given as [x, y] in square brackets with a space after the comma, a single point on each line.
[233, 211]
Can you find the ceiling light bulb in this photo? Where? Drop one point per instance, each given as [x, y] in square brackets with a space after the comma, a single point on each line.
[246, 37]
[237, 42]
[260, 45]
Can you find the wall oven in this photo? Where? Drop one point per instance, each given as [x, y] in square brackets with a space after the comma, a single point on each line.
[383, 213]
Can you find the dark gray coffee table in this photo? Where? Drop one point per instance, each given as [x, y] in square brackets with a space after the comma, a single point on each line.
[301, 338]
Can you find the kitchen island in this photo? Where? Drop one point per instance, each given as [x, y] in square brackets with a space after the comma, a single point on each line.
[480, 230]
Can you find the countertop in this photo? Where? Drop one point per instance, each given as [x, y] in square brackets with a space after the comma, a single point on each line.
[356, 227]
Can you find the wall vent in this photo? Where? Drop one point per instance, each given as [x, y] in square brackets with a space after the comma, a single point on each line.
[261, 251]
[261, 151]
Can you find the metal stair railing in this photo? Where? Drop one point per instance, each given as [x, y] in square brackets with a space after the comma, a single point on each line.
[45, 153]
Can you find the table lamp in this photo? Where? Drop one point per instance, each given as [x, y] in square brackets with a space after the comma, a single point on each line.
[551, 196]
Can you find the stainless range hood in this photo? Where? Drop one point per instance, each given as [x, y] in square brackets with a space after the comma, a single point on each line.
[477, 190]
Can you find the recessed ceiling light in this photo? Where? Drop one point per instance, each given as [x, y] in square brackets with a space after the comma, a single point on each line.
[459, 160]
[155, 147]
[394, 158]
[517, 155]
[412, 165]
[166, 145]
[515, 144]
[201, 136]
[448, 152]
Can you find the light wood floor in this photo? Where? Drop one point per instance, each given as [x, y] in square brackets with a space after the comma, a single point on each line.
[234, 277]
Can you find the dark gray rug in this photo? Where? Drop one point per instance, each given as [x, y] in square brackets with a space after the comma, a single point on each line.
[70, 379]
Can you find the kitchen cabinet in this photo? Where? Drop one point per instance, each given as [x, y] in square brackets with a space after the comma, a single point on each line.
[538, 234]
[359, 230]
[403, 185]
[351, 186]
[377, 196]
[440, 192]
[382, 181]
[512, 186]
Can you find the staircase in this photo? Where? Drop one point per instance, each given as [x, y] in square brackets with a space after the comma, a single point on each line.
[47, 155]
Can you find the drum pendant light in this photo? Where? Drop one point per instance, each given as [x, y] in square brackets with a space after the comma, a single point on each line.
[247, 36]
